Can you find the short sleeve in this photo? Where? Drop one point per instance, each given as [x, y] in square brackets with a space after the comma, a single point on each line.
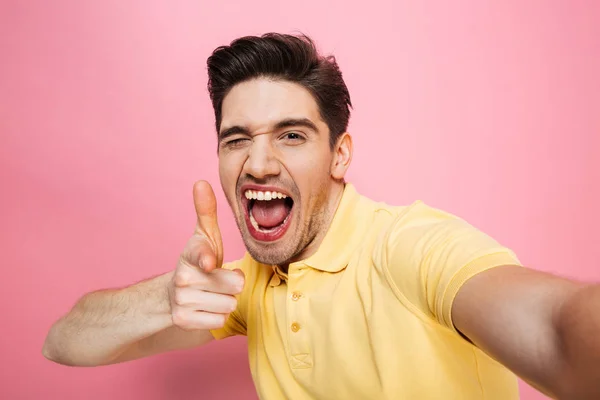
[429, 254]
[236, 324]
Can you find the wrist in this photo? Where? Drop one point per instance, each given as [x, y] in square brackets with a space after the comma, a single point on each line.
[155, 296]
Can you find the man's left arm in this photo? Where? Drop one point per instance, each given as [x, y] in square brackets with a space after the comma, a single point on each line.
[544, 328]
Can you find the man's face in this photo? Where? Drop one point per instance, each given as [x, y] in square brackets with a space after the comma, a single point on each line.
[277, 170]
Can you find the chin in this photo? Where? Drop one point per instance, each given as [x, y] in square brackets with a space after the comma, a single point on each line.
[270, 254]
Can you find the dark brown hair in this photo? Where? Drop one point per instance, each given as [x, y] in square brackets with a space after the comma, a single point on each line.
[286, 57]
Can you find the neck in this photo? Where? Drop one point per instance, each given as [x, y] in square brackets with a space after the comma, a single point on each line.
[331, 206]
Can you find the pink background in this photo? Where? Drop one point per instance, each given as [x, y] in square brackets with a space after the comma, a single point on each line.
[489, 111]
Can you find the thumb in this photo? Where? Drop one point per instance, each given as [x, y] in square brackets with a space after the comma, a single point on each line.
[205, 203]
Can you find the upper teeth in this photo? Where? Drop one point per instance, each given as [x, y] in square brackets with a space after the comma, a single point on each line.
[258, 195]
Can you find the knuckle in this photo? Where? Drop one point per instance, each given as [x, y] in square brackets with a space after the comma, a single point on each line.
[182, 278]
[180, 297]
[190, 277]
[179, 318]
[201, 280]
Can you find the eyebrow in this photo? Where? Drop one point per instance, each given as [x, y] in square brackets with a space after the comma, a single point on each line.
[285, 123]
[291, 122]
[234, 130]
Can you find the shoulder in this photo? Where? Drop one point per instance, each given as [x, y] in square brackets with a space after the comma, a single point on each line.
[416, 213]
[421, 223]
[404, 225]
[426, 254]
[424, 239]
[420, 215]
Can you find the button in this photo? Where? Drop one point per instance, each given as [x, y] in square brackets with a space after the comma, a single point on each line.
[275, 281]
[296, 296]
[295, 327]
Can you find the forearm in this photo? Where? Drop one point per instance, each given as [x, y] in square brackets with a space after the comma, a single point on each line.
[105, 323]
[579, 331]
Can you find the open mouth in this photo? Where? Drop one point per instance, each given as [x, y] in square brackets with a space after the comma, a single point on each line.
[268, 213]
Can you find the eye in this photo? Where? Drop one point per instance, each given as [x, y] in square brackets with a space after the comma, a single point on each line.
[293, 137]
[234, 143]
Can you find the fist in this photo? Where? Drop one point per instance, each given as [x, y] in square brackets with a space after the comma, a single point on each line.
[201, 293]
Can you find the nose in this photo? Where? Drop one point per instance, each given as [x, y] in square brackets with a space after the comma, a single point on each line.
[261, 162]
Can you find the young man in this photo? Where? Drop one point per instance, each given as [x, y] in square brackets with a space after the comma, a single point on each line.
[341, 297]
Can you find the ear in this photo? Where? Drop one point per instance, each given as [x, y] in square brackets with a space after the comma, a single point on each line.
[342, 156]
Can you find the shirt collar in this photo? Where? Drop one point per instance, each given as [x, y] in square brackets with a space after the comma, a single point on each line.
[343, 236]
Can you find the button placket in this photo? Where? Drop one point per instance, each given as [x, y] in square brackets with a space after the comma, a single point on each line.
[298, 331]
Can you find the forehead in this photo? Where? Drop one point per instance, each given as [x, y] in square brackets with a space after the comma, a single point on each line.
[260, 103]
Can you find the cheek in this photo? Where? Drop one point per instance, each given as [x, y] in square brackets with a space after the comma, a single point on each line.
[316, 168]
[311, 161]
[311, 173]
[229, 171]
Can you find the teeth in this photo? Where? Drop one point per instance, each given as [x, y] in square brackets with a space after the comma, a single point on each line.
[254, 223]
[263, 196]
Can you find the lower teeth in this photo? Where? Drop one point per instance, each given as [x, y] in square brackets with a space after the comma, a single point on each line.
[258, 228]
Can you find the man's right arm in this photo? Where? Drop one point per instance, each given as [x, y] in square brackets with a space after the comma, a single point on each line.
[116, 325]
[173, 311]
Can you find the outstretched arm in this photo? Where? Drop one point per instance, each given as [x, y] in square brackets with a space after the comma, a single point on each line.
[544, 328]
[173, 311]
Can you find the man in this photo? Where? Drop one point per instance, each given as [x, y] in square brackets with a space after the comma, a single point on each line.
[341, 297]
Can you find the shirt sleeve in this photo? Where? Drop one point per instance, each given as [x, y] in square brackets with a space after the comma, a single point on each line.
[236, 323]
[429, 254]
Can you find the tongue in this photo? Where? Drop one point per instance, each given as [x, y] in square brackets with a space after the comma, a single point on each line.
[269, 214]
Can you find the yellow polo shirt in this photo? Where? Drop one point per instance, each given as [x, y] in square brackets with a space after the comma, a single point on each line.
[368, 315]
